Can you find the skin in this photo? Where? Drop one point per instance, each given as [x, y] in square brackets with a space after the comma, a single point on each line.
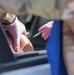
[25, 44]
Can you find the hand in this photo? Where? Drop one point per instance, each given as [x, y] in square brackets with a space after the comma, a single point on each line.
[16, 29]
[45, 29]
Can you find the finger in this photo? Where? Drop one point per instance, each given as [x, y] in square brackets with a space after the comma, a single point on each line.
[16, 44]
[46, 30]
[45, 35]
[41, 29]
[24, 33]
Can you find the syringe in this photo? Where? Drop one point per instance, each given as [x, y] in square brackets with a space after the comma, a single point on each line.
[36, 34]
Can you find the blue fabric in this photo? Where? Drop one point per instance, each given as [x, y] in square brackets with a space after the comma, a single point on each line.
[54, 49]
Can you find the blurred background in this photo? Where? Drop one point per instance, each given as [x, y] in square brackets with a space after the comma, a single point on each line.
[45, 8]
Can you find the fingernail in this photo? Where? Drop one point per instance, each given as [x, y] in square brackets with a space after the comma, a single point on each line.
[16, 49]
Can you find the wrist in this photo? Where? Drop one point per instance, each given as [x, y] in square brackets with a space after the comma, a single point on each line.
[7, 19]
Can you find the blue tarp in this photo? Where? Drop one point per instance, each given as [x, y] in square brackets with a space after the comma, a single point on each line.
[54, 49]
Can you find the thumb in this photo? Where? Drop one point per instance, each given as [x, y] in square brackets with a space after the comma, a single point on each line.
[16, 44]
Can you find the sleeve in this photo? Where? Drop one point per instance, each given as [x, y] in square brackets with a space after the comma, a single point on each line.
[54, 50]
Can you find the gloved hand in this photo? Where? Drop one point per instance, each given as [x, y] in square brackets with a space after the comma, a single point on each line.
[45, 29]
[16, 29]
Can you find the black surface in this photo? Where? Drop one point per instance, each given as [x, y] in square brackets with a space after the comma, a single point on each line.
[5, 51]
[23, 63]
[30, 54]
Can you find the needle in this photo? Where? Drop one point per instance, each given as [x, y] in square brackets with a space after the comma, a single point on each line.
[36, 34]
